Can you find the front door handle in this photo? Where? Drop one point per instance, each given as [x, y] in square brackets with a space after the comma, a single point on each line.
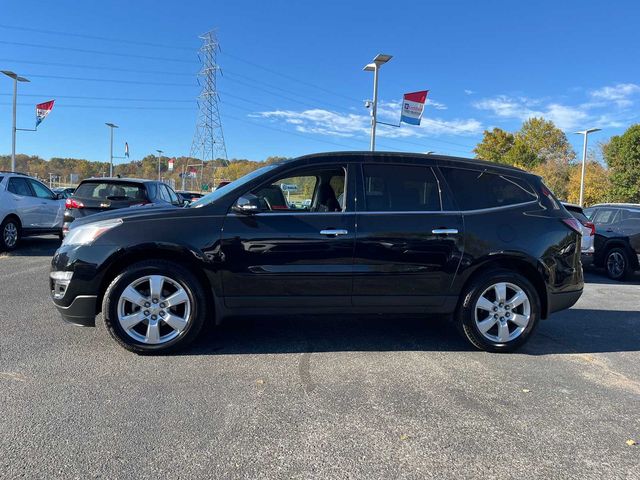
[334, 232]
[444, 231]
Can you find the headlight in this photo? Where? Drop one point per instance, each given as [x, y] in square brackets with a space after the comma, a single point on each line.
[87, 234]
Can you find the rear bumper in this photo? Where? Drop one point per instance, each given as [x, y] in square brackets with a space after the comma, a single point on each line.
[81, 311]
[563, 300]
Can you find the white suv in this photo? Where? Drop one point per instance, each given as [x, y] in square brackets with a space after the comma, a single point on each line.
[27, 207]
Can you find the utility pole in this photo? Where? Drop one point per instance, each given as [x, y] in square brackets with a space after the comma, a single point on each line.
[208, 140]
[16, 79]
[160, 152]
[111, 127]
[584, 158]
[374, 67]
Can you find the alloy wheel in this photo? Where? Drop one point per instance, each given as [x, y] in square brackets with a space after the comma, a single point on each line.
[615, 264]
[502, 312]
[154, 309]
[10, 234]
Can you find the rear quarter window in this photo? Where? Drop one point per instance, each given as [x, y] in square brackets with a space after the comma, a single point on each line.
[478, 189]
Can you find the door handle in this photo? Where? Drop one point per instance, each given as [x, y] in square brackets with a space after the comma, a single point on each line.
[444, 231]
[334, 232]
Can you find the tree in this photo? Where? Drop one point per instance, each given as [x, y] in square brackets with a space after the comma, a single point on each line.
[547, 141]
[521, 155]
[622, 155]
[597, 184]
[495, 145]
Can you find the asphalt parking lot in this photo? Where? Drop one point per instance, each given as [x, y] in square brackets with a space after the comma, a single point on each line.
[317, 397]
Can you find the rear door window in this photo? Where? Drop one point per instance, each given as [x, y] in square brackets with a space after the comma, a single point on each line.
[605, 216]
[400, 188]
[41, 190]
[110, 191]
[19, 186]
[478, 189]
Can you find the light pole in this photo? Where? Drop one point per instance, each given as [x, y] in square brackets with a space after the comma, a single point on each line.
[584, 158]
[16, 79]
[378, 61]
[111, 127]
[160, 152]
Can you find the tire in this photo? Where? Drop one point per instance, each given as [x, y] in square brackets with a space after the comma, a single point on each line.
[617, 264]
[137, 322]
[475, 315]
[10, 234]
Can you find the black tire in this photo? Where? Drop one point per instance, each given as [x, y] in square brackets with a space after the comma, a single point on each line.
[176, 273]
[618, 264]
[465, 314]
[10, 222]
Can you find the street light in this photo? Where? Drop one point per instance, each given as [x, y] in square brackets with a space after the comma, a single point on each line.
[380, 60]
[16, 79]
[584, 157]
[160, 152]
[111, 127]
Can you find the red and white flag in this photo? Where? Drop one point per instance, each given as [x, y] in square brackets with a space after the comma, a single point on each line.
[42, 110]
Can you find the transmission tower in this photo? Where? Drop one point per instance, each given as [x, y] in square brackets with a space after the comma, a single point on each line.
[208, 140]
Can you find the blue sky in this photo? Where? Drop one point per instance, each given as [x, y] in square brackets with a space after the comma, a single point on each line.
[292, 72]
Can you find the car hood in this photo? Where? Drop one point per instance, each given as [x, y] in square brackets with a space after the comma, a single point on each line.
[130, 213]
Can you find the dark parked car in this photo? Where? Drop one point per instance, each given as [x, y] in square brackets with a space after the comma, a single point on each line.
[64, 192]
[617, 240]
[423, 234]
[96, 195]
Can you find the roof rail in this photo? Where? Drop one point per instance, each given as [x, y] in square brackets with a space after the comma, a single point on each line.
[15, 173]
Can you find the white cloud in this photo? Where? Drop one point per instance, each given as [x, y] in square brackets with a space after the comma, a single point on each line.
[468, 92]
[619, 94]
[615, 99]
[326, 122]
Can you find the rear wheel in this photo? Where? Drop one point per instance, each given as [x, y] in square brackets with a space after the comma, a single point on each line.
[500, 310]
[617, 264]
[9, 233]
[154, 306]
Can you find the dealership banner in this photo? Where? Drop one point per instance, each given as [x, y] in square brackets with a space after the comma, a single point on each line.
[126, 149]
[413, 106]
[42, 110]
[170, 165]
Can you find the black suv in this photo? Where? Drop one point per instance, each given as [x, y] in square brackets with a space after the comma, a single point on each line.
[96, 195]
[617, 240]
[360, 232]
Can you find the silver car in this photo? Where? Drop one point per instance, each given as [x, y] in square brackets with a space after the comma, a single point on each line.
[588, 232]
[27, 207]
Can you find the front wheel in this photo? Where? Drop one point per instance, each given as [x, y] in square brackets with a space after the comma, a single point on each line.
[499, 311]
[154, 307]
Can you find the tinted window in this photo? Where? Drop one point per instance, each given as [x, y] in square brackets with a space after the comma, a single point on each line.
[476, 189]
[163, 193]
[19, 186]
[1, 177]
[106, 190]
[605, 216]
[630, 214]
[316, 190]
[400, 188]
[173, 195]
[41, 190]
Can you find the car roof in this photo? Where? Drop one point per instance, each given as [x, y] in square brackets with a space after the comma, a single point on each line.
[373, 156]
[118, 179]
[617, 205]
[572, 206]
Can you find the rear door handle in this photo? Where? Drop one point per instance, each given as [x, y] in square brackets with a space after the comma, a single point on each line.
[444, 231]
[334, 232]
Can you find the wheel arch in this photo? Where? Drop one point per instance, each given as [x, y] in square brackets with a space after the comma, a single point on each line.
[12, 215]
[619, 243]
[525, 266]
[172, 254]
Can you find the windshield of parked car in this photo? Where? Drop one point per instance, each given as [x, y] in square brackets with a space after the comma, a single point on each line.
[222, 191]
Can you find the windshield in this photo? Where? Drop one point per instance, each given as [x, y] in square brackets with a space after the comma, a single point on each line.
[222, 191]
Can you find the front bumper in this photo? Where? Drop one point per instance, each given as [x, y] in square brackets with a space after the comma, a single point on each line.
[81, 311]
[563, 300]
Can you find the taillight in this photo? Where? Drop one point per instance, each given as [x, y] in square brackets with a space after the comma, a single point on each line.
[592, 226]
[71, 203]
[573, 224]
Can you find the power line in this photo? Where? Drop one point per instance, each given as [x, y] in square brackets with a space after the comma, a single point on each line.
[95, 37]
[113, 107]
[109, 80]
[81, 97]
[96, 52]
[92, 67]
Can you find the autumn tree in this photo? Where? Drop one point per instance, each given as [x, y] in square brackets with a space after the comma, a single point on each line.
[597, 185]
[495, 145]
[622, 155]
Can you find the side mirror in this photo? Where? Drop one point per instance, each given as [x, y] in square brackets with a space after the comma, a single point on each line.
[58, 196]
[185, 202]
[247, 204]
